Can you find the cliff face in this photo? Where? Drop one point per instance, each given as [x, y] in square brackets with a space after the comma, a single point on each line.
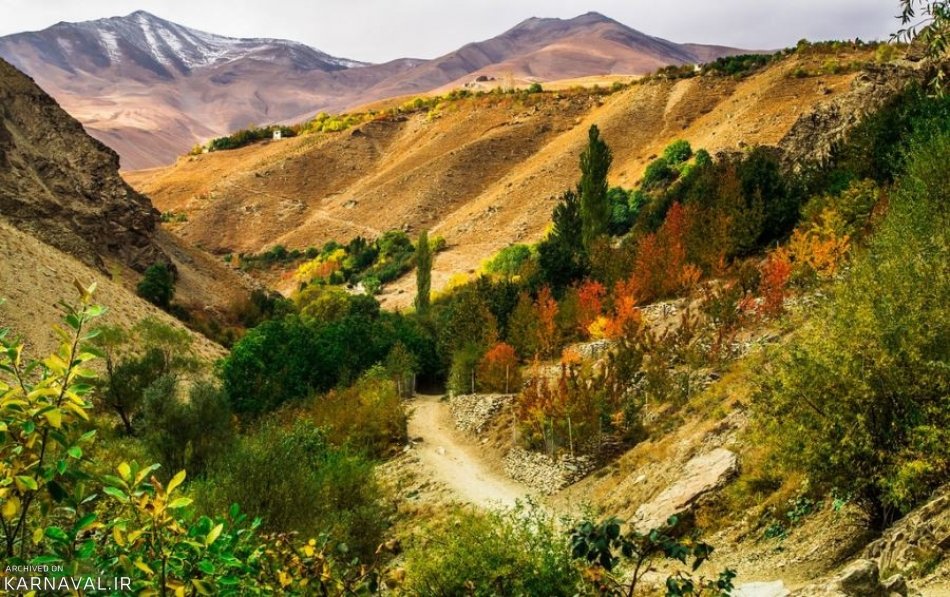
[63, 186]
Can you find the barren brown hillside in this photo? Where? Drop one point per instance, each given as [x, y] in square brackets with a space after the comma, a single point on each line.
[483, 172]
[34, 277]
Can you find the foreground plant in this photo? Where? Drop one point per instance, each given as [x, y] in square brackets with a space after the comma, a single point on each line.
[605, 547]
[55, 509]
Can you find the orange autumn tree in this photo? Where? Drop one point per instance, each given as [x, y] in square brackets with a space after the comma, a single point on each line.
[590, 296]
[660, 265]
[818, 250]
[626, 315]
[498, 370]
[776, 274]
[546, 307]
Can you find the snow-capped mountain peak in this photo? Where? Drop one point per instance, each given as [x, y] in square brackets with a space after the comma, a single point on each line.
[167, 48]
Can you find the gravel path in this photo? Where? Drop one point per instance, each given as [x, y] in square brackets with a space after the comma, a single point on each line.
[455, 461]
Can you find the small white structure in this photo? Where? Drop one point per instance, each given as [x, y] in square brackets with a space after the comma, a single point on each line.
[277, 135]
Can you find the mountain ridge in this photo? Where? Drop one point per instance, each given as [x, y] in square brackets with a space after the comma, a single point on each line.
[151, 88]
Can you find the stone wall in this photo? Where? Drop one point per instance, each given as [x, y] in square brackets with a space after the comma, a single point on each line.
[474, 412]
[546, 474]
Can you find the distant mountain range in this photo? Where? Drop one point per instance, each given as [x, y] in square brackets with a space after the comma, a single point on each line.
[150, 88]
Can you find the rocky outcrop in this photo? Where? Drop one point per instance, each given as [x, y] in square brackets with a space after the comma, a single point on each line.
[701, 475]
[919, 539]
[860, 578]
[62, 186]
[814, 135]
[544, 473]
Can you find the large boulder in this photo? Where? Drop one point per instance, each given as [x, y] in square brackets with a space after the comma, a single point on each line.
[701, 475]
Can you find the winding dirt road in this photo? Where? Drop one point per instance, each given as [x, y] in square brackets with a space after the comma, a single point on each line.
[455, 461]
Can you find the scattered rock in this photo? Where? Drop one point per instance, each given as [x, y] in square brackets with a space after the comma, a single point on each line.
[544, 473]
[896, 584]
[860, 578]
[701, 475]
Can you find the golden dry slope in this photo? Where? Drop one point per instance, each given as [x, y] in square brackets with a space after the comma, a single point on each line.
[34, 277]
[483, 172]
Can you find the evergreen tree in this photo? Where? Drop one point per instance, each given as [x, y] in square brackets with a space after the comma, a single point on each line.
[595, 207]
[561, 256]
[423, 273]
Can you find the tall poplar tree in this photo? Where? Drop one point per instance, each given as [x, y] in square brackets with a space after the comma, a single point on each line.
[592, 188]
[423, 273]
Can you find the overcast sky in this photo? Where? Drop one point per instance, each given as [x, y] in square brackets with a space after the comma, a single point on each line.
[381, 30]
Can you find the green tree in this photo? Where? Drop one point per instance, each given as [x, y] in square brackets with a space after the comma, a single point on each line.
[594, 205]
[157, 285]
[510, 261]
[188, 433]
[401, 367]
[423, 273]
[678, 152]
[604, 545]
[136, 359]
[561, 256]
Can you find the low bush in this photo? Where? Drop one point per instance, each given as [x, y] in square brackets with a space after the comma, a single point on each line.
[186, 434]
[366, 417]
[521, 551]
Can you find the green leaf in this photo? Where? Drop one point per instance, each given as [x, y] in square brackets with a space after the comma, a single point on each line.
[116, 493]
[214, 534]
[46, 559]
[84, 522]
[28, 482]
[56, 533]
[75, 452]
[201, 586]
[176, 481]
[181, 502]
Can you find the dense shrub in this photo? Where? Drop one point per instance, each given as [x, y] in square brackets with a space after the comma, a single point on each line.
[510, 261]
[186, 433]
[249, 135]
[859, 398]
[296, 357]
[516, 552]
[134, 360]
[295, 481]
[367, 417]
[71, 516]
[157, 285]
[678, 152]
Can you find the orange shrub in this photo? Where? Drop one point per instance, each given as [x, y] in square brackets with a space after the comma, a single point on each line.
[498, 370]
